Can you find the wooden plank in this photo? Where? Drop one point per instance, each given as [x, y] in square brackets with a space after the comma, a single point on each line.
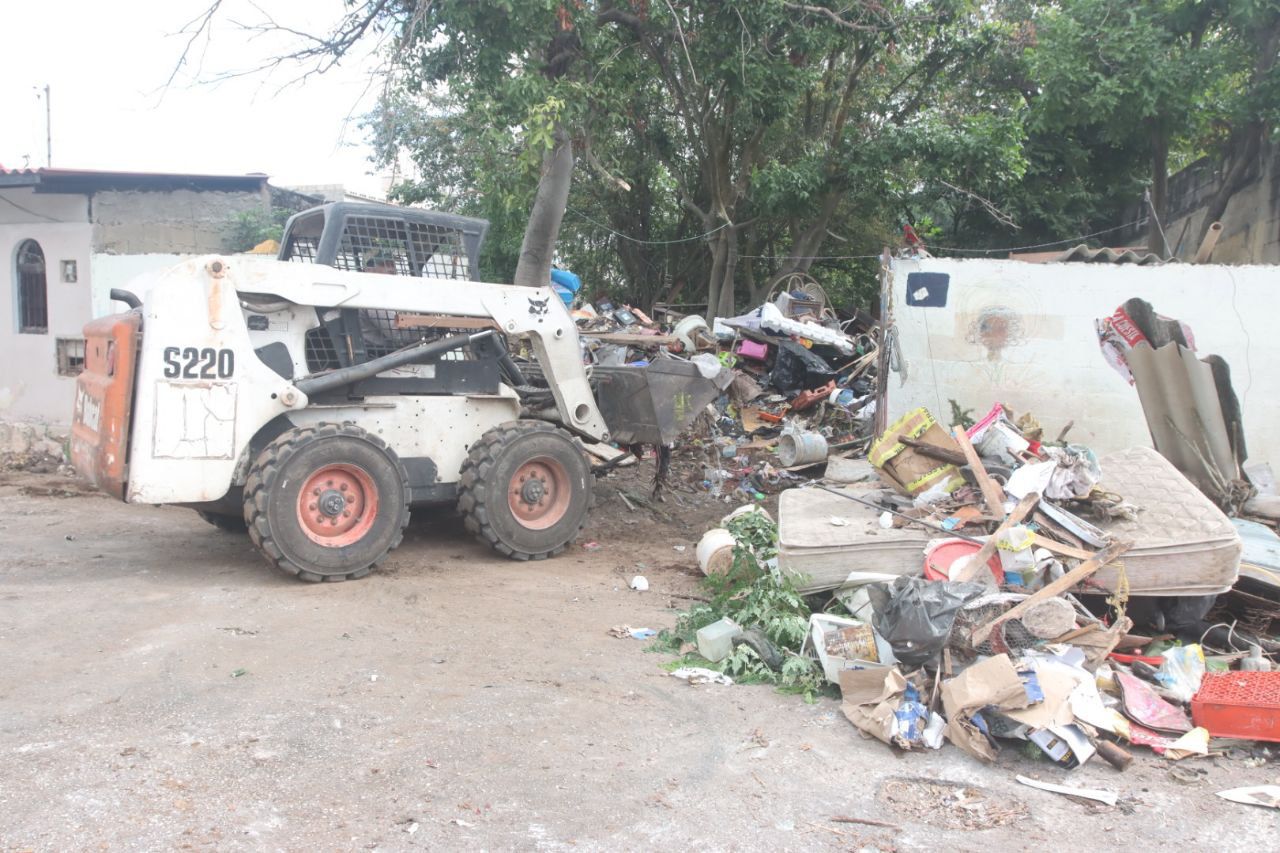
[1062, 550]
[979, 560]
[992, 493]
[630, 338]
[1061, 585]
[608, 453]
[437, 321]
[941, 454]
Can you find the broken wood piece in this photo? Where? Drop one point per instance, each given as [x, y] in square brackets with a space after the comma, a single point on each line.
[992, 493]
[1075, 632]
[941, 454]
[1108, 797]
[1062, 435]
[865, 821]
[1055, 588]
[441, 321]
[1060, 548]
[631, 338]
[977, 561]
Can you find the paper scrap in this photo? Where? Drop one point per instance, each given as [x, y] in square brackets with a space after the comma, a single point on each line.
[1267, 796]
[1108, 797]
[701, 675]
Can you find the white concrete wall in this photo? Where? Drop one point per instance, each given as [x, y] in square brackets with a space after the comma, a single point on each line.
[30, 388]
[1038, 351]
[111, 271]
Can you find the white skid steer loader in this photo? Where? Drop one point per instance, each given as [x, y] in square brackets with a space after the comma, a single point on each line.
[314, 398]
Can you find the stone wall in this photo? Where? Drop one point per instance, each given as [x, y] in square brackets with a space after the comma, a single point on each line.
[1251, 225]
[131, 222]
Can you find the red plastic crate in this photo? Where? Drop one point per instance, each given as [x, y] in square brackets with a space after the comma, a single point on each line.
[1239, 704]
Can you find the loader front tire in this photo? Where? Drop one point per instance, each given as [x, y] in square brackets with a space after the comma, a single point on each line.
[525, 490]
[326, 503]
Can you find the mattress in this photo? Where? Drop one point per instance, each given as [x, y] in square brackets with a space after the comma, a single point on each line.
[1182, 543]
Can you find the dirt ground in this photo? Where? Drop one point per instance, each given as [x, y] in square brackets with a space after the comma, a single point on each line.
[161, 688]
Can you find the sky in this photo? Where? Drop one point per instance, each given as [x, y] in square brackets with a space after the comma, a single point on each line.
[107, 65]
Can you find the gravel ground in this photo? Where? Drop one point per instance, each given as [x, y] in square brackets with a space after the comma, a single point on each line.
[162, 689]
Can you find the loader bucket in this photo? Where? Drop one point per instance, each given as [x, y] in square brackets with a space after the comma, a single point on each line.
[653, 404]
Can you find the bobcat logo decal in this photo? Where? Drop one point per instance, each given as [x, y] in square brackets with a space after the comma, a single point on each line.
[537, 307]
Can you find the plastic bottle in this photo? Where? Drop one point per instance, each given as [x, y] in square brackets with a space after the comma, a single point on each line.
[1255, 662]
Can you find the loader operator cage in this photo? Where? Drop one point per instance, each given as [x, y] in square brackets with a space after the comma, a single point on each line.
[387, 240]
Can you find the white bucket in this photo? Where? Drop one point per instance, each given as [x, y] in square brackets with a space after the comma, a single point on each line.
[801, 448]
[715, 551]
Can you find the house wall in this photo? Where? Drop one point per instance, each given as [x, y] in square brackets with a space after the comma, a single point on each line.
[114, 236]
[176, 221]
[1023, 334]
[30, 388]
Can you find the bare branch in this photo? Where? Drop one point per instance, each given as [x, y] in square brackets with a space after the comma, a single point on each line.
[857, 26]
[610, 178]
[683, 43]
[996, 213]
[321, 52]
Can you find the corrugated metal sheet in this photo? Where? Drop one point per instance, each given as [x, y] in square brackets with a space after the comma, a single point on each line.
[1084, 255]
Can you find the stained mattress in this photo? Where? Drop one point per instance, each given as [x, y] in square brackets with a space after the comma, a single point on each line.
[1182, 543]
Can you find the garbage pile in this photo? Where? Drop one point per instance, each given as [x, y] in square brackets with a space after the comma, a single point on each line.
[796, 384]
[978, 586]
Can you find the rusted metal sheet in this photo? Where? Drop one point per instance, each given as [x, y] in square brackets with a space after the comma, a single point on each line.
[104, 400]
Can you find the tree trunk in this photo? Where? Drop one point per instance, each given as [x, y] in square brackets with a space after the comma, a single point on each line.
[1246, 147]
[807, 244]
[539, 245]
[725, 307]
[1156, 242]
[719, 255]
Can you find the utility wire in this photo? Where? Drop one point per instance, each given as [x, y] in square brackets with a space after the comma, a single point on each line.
[1139, 221]
[28, 210]
[581, 215]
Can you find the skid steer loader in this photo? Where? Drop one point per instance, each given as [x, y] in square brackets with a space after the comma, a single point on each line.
[312, 399]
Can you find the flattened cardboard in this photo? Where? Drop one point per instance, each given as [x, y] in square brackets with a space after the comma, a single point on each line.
[993, 681]
[871, 696]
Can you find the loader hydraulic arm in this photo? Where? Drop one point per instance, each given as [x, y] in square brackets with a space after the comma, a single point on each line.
[535, 314]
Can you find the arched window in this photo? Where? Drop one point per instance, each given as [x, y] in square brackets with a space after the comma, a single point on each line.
[33, 300]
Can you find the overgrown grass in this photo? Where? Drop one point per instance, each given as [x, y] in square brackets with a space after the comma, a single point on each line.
[754, 594]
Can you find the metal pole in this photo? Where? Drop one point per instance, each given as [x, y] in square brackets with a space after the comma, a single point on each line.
[903, 516]
[48, 129]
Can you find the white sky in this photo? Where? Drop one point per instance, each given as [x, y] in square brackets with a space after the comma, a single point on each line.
[107, 63]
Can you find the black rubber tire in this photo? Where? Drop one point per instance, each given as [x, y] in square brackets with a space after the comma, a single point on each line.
[482, 489]
[225, 523]
[271, 494]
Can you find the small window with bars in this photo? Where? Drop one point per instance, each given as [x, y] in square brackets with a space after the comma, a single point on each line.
[33, 296]
[70, 353]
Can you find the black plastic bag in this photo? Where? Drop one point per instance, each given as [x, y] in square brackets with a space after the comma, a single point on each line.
[914, 615]
[798, 369]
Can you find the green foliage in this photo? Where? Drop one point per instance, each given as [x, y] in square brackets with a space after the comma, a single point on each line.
[754, 594]
[251, 227]
[960, 417]
[990, 124]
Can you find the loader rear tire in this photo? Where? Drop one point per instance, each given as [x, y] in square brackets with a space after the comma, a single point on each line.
[326, 503]
[525, 490]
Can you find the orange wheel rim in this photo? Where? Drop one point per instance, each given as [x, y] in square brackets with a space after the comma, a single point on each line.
[539, 492]
[337, 505]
